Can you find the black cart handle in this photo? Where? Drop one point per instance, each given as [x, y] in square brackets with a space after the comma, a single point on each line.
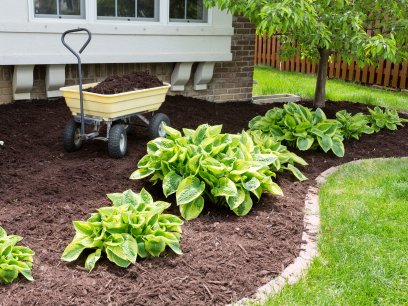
[85, 44]
[81, 99]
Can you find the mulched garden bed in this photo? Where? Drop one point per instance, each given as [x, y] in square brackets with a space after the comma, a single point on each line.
[43, 189]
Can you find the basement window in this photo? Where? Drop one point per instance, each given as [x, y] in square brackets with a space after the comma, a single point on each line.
[59, 8]
[147, 10]
[187, 11]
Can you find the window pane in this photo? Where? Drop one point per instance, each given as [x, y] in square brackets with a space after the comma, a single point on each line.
[145, 8]
[106, 8]
[177, 9]
[70, 7]
[45, 7]
[126, 8]
[195, 9]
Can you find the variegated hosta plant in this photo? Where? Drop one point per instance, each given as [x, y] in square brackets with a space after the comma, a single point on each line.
[353, 126]
[386, 118]
[299, 126]
[14, 259]
[134, 226]
[207, 164]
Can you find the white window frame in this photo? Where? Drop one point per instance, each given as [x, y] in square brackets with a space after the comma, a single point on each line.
[156, 17]
[60, 16]
[185, 19]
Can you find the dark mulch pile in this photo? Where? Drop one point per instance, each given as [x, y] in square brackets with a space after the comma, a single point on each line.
[115, 84]
[43, 189]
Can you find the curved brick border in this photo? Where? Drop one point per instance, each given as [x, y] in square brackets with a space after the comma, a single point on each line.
[308, 249]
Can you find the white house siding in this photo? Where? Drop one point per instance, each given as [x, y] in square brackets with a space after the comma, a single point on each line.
[122, 46]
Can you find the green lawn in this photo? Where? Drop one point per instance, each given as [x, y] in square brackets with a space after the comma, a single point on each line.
[272, 81]
[363, 247]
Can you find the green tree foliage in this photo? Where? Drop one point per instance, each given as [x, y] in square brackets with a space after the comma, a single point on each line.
[321, 28]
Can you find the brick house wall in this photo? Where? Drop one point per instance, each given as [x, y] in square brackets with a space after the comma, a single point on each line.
[232, 81]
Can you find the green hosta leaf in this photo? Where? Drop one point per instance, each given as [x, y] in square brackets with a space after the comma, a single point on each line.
[141, 173]
[22, 251]
[170, 222]
[258, 192]
[27, 273]
[171, 182]
[171, 133]
[266, 159]
[171, 240]
[272, 187]
[2, 232]
[175, 246]
[296, 172]
[199, 134]
[290, 121]
[84, 227]
[116, 198]
[129, 247]
[225, 187]
[146, 197]
[116, 259]
[246, 140]
[154, 245]
[144, 162]
[317, 132]
[7, 275]
[192, 209]
[214, 130]
[245, 207]
[304, 143]
[234, 201]
[163, 143]
[141, 250]
[72, 251]
[319, 115]
[297, 159]
[189, 189]
[193, 164]
[338, 147]
[325, 142]
[92, 259]
[252, 184]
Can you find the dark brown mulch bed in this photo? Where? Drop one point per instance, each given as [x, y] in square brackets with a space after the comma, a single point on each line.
[115, 84]
[43, 189]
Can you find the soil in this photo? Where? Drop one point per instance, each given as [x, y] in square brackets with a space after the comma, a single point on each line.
[43, 189]
[115, 84]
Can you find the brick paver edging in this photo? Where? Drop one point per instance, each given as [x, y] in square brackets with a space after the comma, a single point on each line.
[308, 248]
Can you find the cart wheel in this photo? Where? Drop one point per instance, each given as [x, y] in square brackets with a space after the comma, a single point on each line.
[117, 142]
[72, 136]
[156, 127]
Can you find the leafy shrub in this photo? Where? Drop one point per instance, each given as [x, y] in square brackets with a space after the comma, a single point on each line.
[354, 126]
[224, 168]
[134, 226]
[387, 118]
[299, 126]
[14, 259]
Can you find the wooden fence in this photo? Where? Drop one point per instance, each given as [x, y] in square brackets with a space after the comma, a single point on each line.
[386, 74]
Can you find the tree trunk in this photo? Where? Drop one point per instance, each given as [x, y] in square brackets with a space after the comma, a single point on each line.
[320, 92]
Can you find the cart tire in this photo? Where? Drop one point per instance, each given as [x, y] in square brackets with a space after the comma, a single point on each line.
[117, 142]
[72, 136]
[155, 125]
